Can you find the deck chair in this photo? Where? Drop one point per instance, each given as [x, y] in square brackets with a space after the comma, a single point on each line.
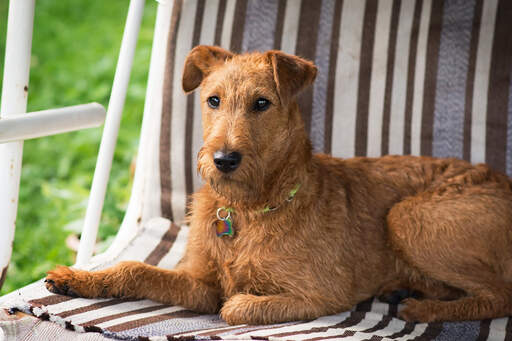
[427, 77]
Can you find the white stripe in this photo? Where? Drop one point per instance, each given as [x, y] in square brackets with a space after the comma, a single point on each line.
[179, 108]
[481, 83]
[319, 322]
[73, 304]
[146, 187]
[227, 28]
[138, 316]
[347, 79]
[379, 307]
[197, 332]
[399, 90]
[144, 244]
[378, 78]
[110, 310]
[290, 26]
[207, 37]
[177, 251]
[498, 329]
[419, 79]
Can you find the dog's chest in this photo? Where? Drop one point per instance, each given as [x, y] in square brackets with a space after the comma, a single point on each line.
[248, 266]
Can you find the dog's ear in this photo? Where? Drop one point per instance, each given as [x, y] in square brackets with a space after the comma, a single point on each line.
[292, 74]
[199, 63]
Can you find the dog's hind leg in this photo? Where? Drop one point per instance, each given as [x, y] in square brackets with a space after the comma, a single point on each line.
[461, 236]
[253, 309]
[136, 280]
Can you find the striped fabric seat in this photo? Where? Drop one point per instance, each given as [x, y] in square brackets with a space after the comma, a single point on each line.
[421, 77]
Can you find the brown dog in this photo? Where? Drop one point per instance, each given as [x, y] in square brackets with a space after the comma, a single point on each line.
[313, 235]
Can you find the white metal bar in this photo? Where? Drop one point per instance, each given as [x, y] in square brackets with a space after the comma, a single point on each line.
[108, 141]
[51, 122]
[14, 101]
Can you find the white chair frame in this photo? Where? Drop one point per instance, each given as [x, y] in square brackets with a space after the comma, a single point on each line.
[16, 125]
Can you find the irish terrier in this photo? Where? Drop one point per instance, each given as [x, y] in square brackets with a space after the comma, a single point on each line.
[279, 234]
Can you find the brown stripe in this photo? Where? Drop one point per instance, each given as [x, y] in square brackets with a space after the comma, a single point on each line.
[278, 35]
[123, 314]
[333, 59]
[475, 33]
[393, 33]
[484, 328]
[91, 307]
[431, 332]
[429, 92]
[411, 73]
[2, 276]
[219, 25]
[237, 34]
[306, 48]
[145, 321]
[165, 129]
[365, 75]
[50, 300]
[164, 246]
[499, 81]
[189, 120]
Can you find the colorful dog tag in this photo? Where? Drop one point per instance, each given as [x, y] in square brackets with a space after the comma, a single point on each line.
[224, 225]
[224, 228]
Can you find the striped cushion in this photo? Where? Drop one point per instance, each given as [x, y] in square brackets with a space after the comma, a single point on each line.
[162, 243]
[427, 77]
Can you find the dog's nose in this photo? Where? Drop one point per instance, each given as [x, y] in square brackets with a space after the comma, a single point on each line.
[227, 162]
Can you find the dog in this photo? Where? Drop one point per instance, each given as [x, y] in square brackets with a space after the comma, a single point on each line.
[279, 234]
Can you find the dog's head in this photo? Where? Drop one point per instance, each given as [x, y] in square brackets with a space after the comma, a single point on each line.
[251, 123]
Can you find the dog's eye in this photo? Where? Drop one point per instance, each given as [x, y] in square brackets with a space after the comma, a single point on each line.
[261, 104]
[213, 102]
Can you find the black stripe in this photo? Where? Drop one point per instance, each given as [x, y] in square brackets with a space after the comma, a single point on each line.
[484, 330]
[237, 35]
[429, 89]
[386, 115]
[365, 74]
[499, 82]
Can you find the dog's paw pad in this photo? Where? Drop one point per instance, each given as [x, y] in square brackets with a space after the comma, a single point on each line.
[59, 281]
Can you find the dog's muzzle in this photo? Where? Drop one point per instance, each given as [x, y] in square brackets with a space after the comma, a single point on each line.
[227, 162]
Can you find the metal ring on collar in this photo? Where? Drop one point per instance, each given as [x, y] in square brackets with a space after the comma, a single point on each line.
[223, 209]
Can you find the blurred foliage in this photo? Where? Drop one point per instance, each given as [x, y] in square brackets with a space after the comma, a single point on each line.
[74, 54]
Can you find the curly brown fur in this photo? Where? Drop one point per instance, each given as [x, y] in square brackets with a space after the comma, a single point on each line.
[357, 227]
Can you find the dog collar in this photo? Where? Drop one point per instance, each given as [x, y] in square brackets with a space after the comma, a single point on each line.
[224, 225]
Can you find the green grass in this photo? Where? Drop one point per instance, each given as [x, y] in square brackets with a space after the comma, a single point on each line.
[74, 53]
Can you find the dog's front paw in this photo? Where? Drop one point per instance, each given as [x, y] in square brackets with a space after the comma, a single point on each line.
[66, 281]
[418, 310]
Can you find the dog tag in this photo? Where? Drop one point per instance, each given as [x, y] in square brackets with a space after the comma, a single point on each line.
[224, 228]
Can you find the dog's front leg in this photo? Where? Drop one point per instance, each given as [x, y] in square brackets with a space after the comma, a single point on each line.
[136, 280]
[252, 309]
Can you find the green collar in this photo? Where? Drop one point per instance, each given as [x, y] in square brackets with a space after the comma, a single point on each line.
[225, 224]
